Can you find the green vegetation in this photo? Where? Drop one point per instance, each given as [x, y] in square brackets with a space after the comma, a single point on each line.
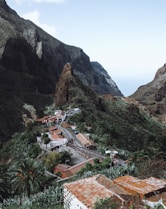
[24, 182]
[120, 125]
[111, 172]
[111, 125]
[106, 203]
[27, 177]
[50, 198]
[54, 158]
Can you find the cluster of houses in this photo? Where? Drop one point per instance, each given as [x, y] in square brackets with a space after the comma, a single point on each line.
[126, 191]
[54, 132]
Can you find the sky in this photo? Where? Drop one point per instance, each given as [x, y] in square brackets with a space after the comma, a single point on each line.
[127, 37]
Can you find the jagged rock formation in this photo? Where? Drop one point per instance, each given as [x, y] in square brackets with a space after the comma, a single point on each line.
[153, 95]
[63, 86]
[69, 88]
[31, 62]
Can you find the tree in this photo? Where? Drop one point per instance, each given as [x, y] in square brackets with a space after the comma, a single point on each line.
[27, 176]
[34, 150]
[45, 139]
[52, 159]
[65, 157]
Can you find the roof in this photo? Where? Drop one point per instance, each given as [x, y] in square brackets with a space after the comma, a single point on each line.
[43, 118]
[76, 168]
[52, 128]
[71, 170]
[65, 124]
[62, 167]
[89, 190]
[84, 139]
[142, 187]
[56, 136]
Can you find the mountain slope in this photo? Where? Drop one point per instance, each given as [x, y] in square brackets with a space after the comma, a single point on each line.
[31, 62]
[51, 51]
[153, 95]
[112, 120]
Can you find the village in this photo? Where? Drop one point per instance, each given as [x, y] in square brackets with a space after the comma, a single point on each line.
[127, 191]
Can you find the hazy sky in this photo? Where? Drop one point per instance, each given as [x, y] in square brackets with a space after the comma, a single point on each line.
[127, 37]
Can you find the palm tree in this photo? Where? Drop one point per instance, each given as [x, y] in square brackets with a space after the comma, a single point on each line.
[27, 177]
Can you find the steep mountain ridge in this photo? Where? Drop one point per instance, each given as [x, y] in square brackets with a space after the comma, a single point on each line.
[53, 52]
[31, 62]
[153, 96]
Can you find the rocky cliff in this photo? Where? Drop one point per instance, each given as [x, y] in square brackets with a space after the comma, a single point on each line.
[31, 62]
[153, 95]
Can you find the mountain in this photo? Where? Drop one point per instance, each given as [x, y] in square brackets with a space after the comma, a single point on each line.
[31, 62]
[153, 95]
[112, 121]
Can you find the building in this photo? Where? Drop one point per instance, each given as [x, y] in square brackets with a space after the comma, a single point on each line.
[127, 191]
[145, 188]
[85, 141]
[67, 171]
[84, 193]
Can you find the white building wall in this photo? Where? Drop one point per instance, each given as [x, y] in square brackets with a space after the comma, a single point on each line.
[71, 202]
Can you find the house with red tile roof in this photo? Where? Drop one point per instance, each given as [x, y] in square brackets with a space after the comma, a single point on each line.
[68, 171]
[59, 116]
[126, 191]
[85, 141]
[85, 192]
[145, 188]
[52, 128]
[44, 119]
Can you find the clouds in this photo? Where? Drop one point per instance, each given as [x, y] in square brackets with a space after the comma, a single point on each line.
[34, 16]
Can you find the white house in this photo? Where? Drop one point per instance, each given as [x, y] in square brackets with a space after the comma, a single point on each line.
[83, 194]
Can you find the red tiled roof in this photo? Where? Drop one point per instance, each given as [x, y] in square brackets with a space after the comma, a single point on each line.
[71, 170]
[52, 128]
[137, 186]
[89, 190]
[56, 136]
[84, 140]
[42, 119]
[124, 189]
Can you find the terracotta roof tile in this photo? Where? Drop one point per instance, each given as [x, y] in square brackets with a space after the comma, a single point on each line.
[137, 186]
[89, 190]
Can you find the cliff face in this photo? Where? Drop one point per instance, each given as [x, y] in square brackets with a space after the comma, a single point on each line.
[102, 82]
[31, 62]
[53, 53]
[153, 95]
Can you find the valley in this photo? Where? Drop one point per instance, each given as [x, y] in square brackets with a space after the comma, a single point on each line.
[69, 139]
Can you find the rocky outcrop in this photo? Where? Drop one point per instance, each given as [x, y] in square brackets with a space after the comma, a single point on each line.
[153, 95]
[70, 90]
[31, 62]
